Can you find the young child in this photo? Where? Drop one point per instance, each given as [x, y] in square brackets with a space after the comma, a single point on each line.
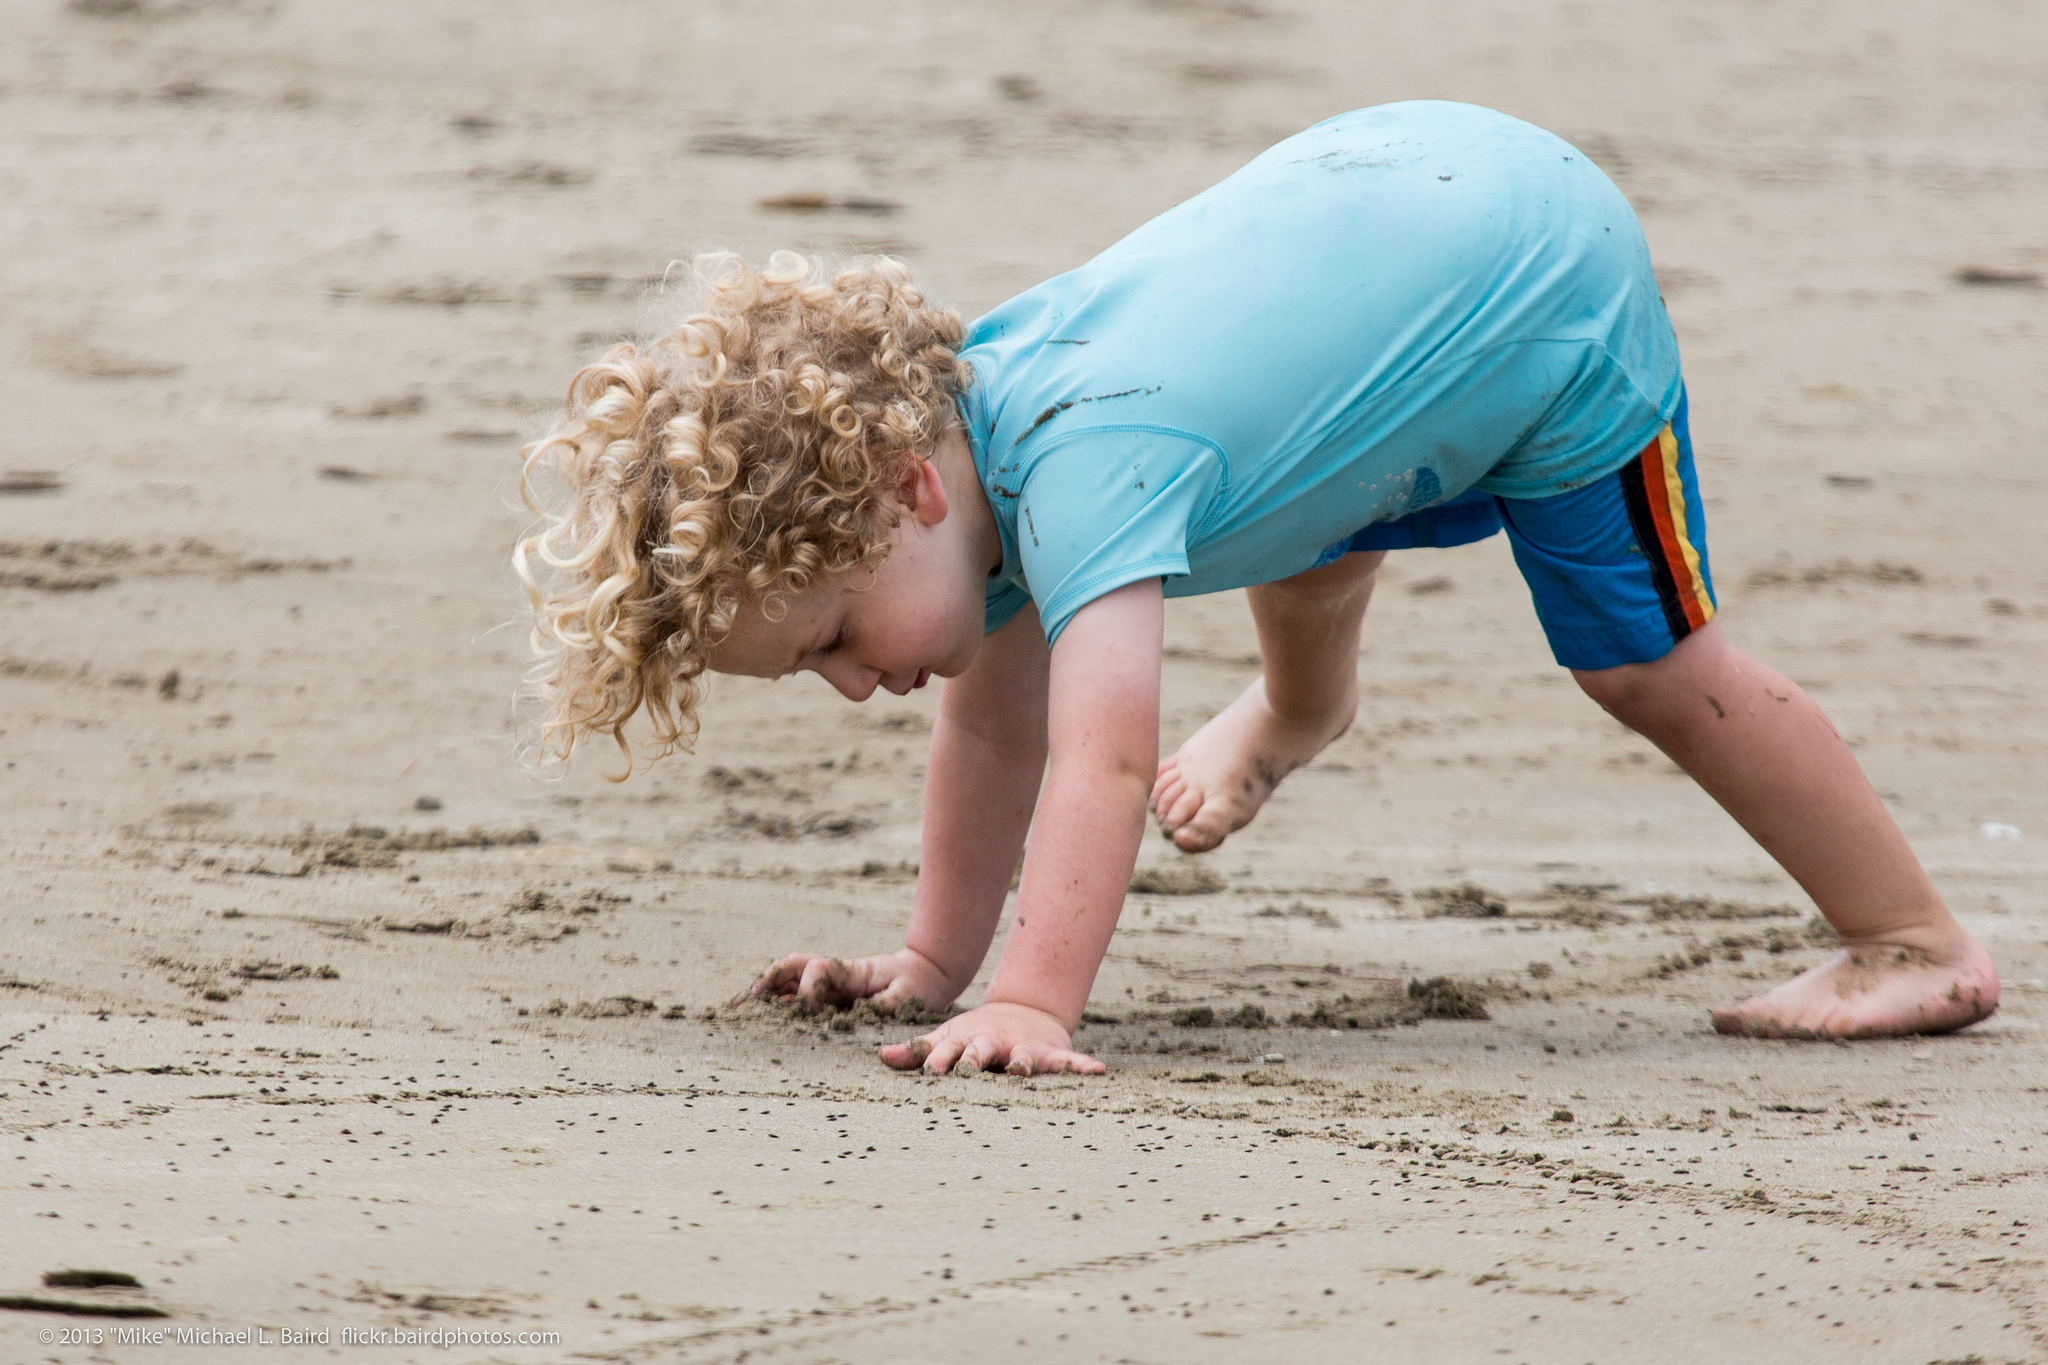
[1426, 320]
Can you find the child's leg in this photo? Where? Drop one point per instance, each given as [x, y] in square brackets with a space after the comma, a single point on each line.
[1618, 568]
[1761, 748]
[1304, 698]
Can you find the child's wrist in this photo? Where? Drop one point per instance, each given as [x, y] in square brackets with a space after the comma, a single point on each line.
[1063, 1018]
[938, 987]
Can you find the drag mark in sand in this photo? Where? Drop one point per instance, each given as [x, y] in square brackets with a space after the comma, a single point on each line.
[830, 1322]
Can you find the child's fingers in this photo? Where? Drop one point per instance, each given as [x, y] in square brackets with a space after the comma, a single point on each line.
[1078, 1063]
[907, 1056]
[983, 1051]
[900, 990]
[824, 976]
[945, 1054]
[1023, 1062]
[779, 976]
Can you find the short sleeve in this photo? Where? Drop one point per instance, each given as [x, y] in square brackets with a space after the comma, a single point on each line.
[1107, 506]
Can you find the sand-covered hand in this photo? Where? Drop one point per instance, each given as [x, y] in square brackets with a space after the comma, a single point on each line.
[889, 979]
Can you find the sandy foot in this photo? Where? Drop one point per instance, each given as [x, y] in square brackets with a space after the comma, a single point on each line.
[1218, 780]
[1876, 990]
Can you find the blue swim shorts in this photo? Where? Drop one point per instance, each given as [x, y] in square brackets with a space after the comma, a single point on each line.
[1470, 516]
[1617, 569]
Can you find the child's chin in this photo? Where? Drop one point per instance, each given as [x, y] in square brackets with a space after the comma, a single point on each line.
[958, 664]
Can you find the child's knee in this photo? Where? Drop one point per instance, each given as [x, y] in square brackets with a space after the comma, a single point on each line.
[1619, 690]
[1631, 691]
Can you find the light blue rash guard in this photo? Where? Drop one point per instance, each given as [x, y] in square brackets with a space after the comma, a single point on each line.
[1397, 305]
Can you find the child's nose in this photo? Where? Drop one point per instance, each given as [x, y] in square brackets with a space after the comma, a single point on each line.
[854, 683]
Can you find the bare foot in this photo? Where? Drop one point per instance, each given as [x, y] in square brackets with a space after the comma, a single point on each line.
[1874, 990]
[1227, 769]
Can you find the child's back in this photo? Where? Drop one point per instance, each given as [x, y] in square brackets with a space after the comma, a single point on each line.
[1371, 317]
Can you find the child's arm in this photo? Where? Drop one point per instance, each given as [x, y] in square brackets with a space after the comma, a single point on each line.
[1103, 724]
[987, 756]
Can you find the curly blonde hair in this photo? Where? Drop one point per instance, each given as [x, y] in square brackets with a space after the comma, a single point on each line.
[745, 455]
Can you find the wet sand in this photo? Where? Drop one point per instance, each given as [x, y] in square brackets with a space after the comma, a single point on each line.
[322, 1015]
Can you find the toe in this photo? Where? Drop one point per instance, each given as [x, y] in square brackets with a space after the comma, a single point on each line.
[1210, 825]
[1168, 796]
[1171, 780]
[1185, 808]
[1737, 1022]
[1163, 788]
[1753, 1018]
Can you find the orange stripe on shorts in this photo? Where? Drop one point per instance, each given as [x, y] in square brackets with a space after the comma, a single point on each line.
[1666, 497]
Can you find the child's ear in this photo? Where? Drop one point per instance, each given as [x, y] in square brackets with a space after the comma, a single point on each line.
[922, 493]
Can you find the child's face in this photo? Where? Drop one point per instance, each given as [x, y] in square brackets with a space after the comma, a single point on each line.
[917, 617]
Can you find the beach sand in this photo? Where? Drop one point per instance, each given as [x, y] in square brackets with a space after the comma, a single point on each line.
[286, 284]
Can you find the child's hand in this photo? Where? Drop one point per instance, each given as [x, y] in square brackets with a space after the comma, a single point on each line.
[889, 980]
[1018, 1038]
